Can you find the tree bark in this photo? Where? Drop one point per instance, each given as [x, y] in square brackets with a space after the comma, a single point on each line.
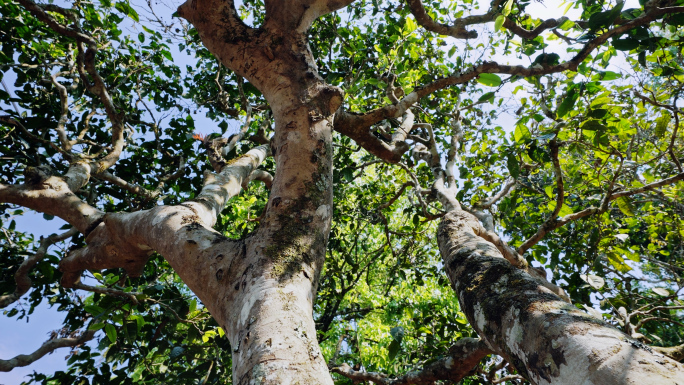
[265, 299]
[546, 339]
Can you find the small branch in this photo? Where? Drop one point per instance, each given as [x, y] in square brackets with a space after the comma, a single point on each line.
[47, 347]
[507, 189]
[648, 187]
[132, 296]
[64, 116]
[560, 199]
[43, 16]
[395, 197]
[462, 358]
[259, 175]
[21, 276]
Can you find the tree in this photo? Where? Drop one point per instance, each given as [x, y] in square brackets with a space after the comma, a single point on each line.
[184, 283]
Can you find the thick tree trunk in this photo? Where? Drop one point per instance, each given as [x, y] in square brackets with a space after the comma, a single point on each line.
[269, 303]
[545, 338]
[266, 297]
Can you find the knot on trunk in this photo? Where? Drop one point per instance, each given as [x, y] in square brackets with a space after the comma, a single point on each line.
[323, 101]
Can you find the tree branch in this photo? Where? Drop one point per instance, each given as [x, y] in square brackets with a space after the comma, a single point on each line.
[125, 240]
[21, 276]
[48, 347]
[462, 358]
[560, 199]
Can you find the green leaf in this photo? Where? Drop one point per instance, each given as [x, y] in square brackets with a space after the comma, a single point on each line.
[661, 124]
[498, 23]
[490, 80]
[166, 54]
[111, 332]
[567, 24]
[567, 104]
[489, 96]
[521, 133]
[48, 217]
[393, 349]
[625, 44]
[606, 18]
[126, 9]
[513, 165]
[348, 174]
[176, 351]
[411, 25]
[96, 326]
[625, 205]
[618, 262]
[593, 125]
[507, 8]
[565, 210]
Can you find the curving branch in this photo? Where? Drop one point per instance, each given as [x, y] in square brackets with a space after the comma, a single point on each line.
[47, 347]
[39, 12]
[358, 127]
[259, 175]
[675, 352]
[457, 29]
[21, 276]
[508, 187]
[140, 190]
[126, 240]
[131, 295]
[560, 222]
[463, 356]
[52, 195]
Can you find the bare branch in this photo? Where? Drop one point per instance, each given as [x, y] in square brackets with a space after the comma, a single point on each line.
[357, 127]
[675, 352]
[648, 187]
[52, 195]
[132, 296]
[126, 240]
[507, 189]
[260, 175]
[47, 347]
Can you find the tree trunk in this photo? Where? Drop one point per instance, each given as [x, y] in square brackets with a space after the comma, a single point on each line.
[546, 339]
[265, 301]
[269, 302]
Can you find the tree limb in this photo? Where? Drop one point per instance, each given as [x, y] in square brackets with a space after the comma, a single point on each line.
[21, 276]
[125, 240]
[463, 356]
[47, 347]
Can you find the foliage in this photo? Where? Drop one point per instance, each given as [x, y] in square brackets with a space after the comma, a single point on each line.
[384, 303]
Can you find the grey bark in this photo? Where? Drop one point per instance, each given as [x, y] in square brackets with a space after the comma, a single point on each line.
[546, 339]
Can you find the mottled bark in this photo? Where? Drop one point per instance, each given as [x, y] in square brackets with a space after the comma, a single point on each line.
[264, 298]
[546, 339]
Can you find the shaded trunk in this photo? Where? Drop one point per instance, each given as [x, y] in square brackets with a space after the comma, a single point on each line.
[546, 339]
